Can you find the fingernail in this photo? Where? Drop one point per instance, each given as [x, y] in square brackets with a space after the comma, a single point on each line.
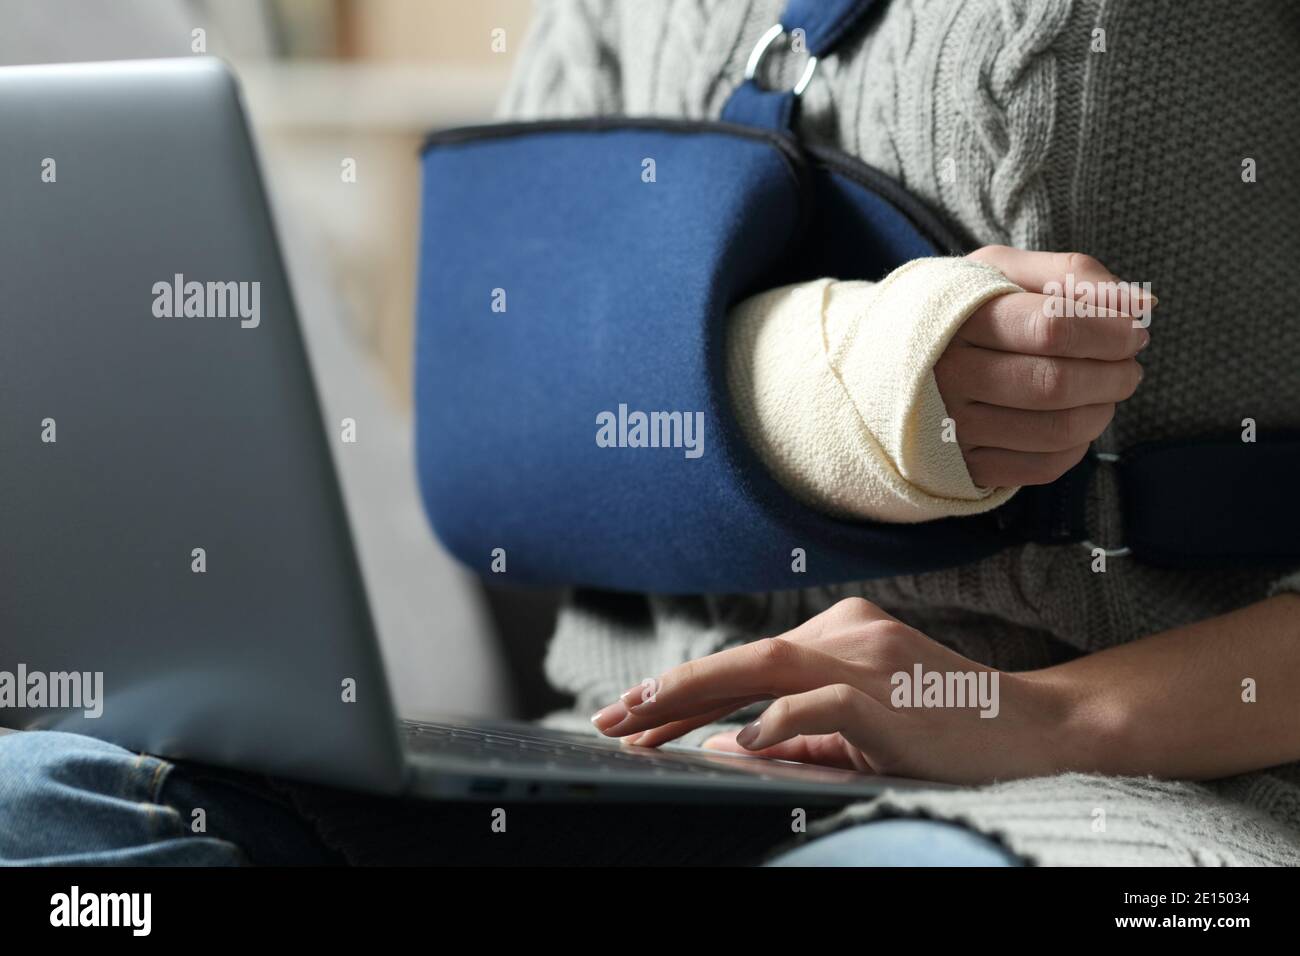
[1137, 291]
[1142, 373]
[643, 693]
[1144, 339]
[749, 733]
[632, 741]
[610, 716]
[631, 697]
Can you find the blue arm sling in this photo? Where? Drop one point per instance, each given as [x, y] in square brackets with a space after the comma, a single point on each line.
[573, 425]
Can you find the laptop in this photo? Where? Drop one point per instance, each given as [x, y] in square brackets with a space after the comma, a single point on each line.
[176, 568]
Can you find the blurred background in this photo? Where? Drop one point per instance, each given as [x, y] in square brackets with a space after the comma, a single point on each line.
[325, 81]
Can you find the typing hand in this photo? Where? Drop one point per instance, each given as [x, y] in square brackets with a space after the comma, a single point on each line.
[858, 689]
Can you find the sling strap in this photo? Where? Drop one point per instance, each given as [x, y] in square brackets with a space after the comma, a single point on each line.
[816, 27]
[1213, 502]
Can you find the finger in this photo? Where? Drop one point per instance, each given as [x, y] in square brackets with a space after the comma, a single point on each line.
[827, 750]
[840, 631]
[678, 728]
[1017, 429]
[771, 667]
[1034, 382]
[838, 708]
[999, 468]
[1032, 269]
[1038, 271]
[1033, 324]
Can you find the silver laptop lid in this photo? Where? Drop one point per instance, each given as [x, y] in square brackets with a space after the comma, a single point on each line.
[169, 513]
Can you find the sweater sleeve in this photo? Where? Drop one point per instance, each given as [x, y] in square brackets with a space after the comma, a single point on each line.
[567, 65]
[833, 385]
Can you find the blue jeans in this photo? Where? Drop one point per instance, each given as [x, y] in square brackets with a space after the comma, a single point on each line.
[899, 843]
[72, 800]
[67, 799]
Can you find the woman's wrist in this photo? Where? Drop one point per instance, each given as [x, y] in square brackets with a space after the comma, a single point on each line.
[1184, 703]
[1083, 728]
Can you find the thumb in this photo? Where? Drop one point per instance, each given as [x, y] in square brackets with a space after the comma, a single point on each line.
[825, 750]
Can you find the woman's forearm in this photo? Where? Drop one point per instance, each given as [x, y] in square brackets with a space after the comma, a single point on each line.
[1211, 699]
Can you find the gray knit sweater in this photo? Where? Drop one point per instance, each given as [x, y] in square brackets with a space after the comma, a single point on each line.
[1134, 155]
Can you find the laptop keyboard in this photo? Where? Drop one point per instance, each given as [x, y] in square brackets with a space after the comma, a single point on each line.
[554, 751]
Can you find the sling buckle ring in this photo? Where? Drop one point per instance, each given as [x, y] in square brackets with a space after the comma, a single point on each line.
[760, 50]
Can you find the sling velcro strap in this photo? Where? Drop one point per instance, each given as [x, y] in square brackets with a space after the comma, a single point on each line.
[1050, 514]
[1213, 502]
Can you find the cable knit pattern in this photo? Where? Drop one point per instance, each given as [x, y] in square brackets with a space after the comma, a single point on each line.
[999, 114]
[585, 81]
[1007, 86]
